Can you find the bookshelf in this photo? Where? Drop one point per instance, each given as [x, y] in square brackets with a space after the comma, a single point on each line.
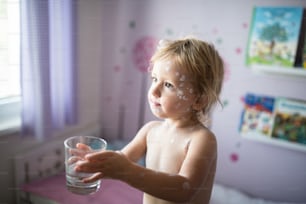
[276, 70]
[271, 52]
[274, 120]
[255, 136]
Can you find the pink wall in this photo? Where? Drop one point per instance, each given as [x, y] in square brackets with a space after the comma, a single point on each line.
[265, 170]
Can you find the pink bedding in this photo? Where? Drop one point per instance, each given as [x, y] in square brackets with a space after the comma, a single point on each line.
[116, 192]
[111, 192]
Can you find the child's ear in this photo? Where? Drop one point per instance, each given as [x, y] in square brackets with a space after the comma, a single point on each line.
[199, 103]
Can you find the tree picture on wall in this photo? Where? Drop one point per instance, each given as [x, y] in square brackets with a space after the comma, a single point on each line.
[274, 36]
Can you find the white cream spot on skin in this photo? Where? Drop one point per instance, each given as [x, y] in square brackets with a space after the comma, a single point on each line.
[180, 93]
[185, 98]
[183, 78]
[191, 91]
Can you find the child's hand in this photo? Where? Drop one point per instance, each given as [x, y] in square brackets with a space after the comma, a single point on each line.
[79, 153]
[103, 164]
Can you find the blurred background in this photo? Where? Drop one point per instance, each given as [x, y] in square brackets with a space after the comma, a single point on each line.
[113, 40]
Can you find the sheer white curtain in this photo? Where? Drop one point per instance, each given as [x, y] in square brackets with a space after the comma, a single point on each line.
[48, 68]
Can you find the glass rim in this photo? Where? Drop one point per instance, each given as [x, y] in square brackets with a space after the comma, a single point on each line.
[85, 136]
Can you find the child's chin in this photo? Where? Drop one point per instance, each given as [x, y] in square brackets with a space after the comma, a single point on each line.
[157, 112]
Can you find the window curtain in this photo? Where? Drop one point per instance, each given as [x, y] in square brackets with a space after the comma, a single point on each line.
[48, 68]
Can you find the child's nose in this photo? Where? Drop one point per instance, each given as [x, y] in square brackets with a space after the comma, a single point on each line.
[156, 90]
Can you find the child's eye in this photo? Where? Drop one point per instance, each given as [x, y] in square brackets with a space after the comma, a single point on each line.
[168, 85]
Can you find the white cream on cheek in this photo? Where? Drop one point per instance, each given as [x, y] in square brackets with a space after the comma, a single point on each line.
[183, 77]
[180, 92]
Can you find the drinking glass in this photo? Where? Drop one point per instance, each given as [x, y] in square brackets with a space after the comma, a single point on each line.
[73, 155]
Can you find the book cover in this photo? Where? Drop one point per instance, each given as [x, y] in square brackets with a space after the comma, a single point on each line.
[257, 115]
[274, 35]
[290, 120]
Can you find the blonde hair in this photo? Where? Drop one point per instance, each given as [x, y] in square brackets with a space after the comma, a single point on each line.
[201, 60]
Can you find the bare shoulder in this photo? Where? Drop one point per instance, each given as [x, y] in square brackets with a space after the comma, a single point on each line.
[202, 133]
[203, 139]
[146, 128]
[149, 125]
[154, 123]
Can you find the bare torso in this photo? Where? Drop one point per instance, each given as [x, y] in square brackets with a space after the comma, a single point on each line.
[166, 151]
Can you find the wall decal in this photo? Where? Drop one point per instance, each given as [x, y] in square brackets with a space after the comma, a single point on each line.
[142, 52]
[117, 68]
[238, 50]
[169, 31]
[132, 24]
[219, 40]
[225, 102]
[234, 157]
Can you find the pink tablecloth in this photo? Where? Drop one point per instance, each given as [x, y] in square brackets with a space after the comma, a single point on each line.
[111, 192]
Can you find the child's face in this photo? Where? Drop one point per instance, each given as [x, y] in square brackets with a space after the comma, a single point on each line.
[171, 94]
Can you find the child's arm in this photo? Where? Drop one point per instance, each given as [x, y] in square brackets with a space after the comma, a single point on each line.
[132, 151]
[178, 188]
[137, 147]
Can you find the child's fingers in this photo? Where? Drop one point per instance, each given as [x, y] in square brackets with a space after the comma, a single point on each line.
[81, 150]
[73, 160]
[83, 147]
[78, 152]
[93, 178]
[102, 155]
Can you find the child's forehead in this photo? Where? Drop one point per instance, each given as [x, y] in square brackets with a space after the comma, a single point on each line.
[170, 67]
[173, 72]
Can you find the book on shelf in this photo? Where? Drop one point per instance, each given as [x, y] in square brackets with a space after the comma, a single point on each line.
[303, 41]
[300, 58]
[274, 35]
[257, 115]
[289, 122]
[304, 55]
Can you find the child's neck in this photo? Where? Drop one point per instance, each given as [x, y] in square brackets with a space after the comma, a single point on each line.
[182, 123]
